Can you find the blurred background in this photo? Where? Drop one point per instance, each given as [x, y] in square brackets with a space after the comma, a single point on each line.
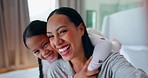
[124, 20]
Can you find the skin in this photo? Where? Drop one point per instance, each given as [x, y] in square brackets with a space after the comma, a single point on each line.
[65, 38]
[40, 47]
[57, 37]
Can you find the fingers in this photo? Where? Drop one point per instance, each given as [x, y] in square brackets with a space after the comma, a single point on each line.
[87, 63]
[87, 74]
[92, 77]
[92, 73]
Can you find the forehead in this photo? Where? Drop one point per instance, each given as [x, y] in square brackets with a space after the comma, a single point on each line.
[36, 41]
[57, 20]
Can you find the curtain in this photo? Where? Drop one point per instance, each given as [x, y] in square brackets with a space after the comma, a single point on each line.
[145, 3]
[75, 4]
[14, 17]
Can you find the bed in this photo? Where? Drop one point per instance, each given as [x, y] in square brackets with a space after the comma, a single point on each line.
[130, 29]
[26, 73]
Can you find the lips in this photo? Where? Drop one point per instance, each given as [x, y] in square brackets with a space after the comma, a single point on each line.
[50, 56]
[64, 50]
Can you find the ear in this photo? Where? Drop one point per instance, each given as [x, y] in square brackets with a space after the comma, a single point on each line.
[81, 28]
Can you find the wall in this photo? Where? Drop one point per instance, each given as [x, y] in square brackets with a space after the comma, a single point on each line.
[95, 5]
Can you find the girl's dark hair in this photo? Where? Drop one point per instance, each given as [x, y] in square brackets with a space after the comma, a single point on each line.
[40, 68]
[75, 17]
[35, 28]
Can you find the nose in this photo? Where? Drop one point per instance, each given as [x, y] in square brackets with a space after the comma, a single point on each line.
[58, 41]
[44, 52]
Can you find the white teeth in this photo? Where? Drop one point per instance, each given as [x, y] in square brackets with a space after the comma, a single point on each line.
[63, 49]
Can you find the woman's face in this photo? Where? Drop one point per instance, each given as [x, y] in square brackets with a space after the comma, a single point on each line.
[41, 48]
[64, 37]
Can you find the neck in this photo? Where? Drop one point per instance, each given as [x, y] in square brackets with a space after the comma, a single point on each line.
[78, 62]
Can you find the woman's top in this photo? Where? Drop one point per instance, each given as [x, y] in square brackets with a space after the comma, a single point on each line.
[115, 66]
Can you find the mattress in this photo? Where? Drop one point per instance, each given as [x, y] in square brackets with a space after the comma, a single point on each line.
[27, 73]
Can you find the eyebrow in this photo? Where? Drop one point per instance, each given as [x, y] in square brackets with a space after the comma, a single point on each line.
[43, 43]
[56, 29]
[40, 46]
[34, 50]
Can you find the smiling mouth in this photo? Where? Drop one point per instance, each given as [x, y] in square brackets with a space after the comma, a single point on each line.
[50, 56]
[64, 49]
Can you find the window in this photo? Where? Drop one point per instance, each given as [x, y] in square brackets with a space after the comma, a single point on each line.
[40, 9]
[91, 18]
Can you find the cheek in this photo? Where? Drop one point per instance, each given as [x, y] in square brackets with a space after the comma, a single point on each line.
[49, 47]
[69, 38]
[52, 45]
[74, 39]
[71, 35]
[40, 56]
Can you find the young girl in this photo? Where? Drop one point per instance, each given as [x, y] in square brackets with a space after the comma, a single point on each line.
[35, 39]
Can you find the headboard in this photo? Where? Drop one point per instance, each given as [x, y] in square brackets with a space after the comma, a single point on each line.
[130, 29]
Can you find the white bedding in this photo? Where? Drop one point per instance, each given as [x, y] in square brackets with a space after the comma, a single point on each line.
[27, 73]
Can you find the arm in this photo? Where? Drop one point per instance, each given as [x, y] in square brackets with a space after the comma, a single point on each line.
[63, 69]
[116, 66]
[116, 45]
[102, 49]
[123, 69]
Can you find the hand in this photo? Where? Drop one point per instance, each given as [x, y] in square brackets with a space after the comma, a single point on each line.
[86, 74]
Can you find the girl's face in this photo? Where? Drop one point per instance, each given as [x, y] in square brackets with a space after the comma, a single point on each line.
[64, 37]
[40, 47]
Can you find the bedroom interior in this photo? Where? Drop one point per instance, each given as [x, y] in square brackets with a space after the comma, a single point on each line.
[120, 19]
[130, 29]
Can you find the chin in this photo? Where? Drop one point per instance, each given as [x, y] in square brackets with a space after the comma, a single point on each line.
[66, 58]
[50, 61]
[54, 59]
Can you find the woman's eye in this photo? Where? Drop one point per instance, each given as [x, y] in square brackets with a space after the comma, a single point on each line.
[50, 36]
[63, 32]
[45, 44]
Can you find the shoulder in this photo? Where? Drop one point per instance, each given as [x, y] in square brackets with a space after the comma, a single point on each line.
[45, 66]
[118, 67]
[57, 70]
[115, 59]
[53, 69]
[55, 65]
[111, 64]
[45, 63]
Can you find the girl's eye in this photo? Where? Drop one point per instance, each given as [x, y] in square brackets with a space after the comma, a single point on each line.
[36, 52]
[63, 32]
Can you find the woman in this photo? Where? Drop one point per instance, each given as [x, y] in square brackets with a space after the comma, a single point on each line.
[36, 41]
[68, 36]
